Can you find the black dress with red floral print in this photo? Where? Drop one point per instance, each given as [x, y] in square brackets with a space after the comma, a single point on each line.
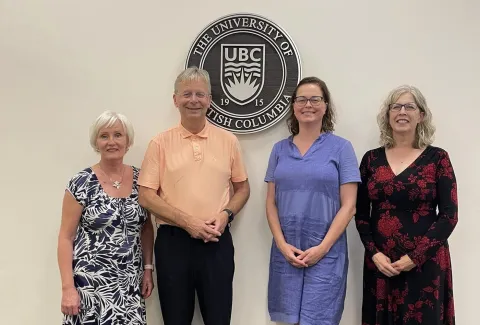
[397, 215]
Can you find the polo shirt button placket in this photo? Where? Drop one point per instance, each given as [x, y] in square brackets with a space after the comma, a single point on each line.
[197, 155]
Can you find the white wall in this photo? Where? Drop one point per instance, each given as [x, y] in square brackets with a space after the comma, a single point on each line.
[63, 62]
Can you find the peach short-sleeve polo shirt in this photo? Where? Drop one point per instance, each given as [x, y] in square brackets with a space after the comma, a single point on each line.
[194, 172]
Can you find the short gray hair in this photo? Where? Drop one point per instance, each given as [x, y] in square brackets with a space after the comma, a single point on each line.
[190, 74]
[107, 119]
[425, 131]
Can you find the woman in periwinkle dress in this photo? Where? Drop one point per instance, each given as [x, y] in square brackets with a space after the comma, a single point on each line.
[312, 186]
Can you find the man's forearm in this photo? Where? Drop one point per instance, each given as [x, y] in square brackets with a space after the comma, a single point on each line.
[240, 197]
[161, 209]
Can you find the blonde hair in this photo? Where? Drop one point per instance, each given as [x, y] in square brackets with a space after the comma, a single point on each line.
[190, 74]
[425, 131]
[107, 119]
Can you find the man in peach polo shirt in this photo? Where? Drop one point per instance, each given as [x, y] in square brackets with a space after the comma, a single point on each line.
[194, 181]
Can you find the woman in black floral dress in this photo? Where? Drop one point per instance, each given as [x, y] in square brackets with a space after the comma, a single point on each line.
[407, 270]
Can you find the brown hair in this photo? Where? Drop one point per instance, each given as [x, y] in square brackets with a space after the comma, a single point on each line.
[328, 121]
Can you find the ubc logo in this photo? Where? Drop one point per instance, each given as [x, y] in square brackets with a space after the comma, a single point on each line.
[254, 67]
[242, 71]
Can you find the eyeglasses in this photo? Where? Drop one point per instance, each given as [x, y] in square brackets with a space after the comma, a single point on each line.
[398, 107]
[197, 94]
[314, 100]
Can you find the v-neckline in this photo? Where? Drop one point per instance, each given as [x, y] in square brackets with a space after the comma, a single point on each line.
[300, 156]
[113, 196]
[413, 163]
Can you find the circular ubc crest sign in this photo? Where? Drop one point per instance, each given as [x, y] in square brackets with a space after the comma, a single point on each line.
[254, 68]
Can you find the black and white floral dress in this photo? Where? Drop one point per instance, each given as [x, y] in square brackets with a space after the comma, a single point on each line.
[107, 257]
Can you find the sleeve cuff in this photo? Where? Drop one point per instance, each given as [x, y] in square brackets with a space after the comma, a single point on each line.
[149, 185]
[239, 179]
[417, 259]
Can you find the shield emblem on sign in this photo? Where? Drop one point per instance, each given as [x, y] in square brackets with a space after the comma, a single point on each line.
[242, 71]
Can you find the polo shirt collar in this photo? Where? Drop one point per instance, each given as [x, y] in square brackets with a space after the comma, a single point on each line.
[202, 134]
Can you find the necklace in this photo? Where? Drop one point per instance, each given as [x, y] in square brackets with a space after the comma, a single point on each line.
[115, 184]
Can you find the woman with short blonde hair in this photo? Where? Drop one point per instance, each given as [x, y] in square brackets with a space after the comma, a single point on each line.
[105, 244]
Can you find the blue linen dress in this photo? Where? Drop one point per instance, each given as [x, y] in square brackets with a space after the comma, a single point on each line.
[307, 195]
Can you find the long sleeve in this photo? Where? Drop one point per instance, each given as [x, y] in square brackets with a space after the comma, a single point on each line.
[439, 231]
[362, 217]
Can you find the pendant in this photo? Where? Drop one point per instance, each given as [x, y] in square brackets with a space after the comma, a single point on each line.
[116, 184]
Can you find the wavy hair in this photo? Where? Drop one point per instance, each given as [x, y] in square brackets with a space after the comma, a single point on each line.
[425, 131]
[328, 121]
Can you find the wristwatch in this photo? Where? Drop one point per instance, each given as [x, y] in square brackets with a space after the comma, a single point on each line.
[230, 215]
